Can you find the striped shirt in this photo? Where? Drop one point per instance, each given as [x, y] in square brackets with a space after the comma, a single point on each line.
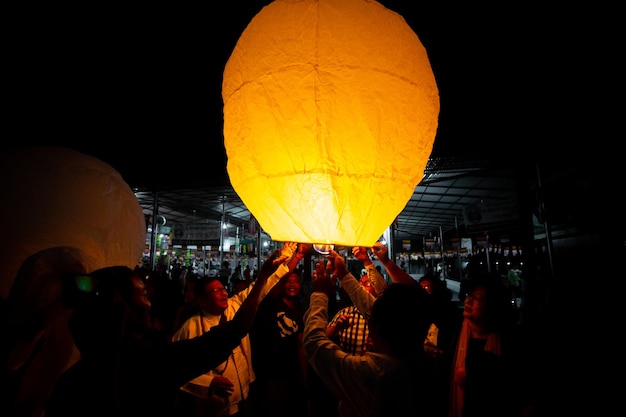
[352, 339]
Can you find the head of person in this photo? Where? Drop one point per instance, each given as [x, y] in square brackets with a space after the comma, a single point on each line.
[487, 303]
[211, 295]
[428, 283]
[133, 290]
[292, 286]
[108, 304]
[436, 288]
[365, 283]
[400, 319]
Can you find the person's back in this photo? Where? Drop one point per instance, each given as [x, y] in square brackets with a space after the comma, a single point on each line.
[393, 377]
[383, 385]
[349, 328]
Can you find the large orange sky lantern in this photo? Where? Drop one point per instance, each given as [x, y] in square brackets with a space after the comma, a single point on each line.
[330, 115]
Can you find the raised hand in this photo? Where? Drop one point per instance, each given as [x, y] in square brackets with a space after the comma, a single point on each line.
[269, 266]
[360, 253]
[337, 264]
[303, 248]
[286, 252]
[396, 273]
[344, 321]
[245, 315]
[222, 386]
[322, 278]
[381, 251]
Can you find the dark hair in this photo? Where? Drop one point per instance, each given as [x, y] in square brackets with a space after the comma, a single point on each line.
[402, 315]
[440, 290]
[297, 271]
[200, 288]
[101, 286]
[101, 303]
[498, 308]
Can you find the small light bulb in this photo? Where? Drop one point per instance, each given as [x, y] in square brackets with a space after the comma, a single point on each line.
[323, 249]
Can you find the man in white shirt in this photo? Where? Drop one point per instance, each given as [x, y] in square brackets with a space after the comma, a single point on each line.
[223, 391]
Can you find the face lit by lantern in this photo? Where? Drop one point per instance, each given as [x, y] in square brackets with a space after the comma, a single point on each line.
[330, 115]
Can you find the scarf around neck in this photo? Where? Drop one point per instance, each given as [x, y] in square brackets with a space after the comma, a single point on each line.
[456, 390]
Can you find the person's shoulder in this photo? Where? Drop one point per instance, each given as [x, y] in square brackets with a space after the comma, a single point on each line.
[188, 327]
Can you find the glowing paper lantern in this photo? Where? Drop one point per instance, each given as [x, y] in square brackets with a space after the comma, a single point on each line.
[57, 197]
[330, 115]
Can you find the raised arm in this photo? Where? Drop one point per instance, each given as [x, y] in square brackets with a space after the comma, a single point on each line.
[291, 254]
[245, 315]
[183, 360]
[397, 274]
[296, 252]
[375, 277]
[360, 297]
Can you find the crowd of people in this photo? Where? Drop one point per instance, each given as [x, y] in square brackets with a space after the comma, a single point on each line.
[398, 348]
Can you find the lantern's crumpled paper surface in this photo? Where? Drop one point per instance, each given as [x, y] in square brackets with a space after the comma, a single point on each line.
[330, 115]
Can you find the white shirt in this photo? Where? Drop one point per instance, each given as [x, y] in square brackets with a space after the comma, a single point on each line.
[238, 367]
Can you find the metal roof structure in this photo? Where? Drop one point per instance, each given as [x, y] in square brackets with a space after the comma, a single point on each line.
[436, 205]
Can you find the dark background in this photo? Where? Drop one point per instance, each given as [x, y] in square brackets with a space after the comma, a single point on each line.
[140, 86]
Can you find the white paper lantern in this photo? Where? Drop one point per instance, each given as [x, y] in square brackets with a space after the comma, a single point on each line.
[57, 197]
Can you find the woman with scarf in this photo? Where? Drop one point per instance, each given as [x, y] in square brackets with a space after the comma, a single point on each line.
[486, 375]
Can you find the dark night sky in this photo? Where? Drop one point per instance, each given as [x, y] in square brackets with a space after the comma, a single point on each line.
[140, 87]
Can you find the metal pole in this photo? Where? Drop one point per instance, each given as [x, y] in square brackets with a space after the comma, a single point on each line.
[236, 247]
[222, 231]
[545, 221]
[487, 253]
[458, 251]
[258, 244]
[391, 247]
[443, 260]
[424, 253]
[153, 236]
